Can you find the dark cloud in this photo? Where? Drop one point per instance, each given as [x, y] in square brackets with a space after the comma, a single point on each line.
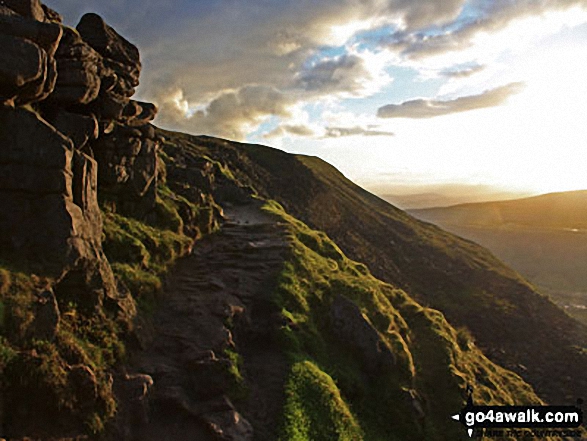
[341, 74]
[422, 108]
[338, 132]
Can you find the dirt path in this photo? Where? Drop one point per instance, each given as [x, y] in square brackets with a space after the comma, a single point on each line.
[217, 302]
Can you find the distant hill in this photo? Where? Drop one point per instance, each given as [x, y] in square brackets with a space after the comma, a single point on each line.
[554, 210]
[542, 237]
[443, 198]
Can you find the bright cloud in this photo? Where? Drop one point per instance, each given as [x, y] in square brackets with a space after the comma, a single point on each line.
[424, 108]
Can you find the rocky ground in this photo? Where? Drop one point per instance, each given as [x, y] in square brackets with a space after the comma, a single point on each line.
[216, 300]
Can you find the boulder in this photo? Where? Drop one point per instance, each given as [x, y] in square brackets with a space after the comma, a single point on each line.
[121, 66]
[51, 15]
[127, 161]
[138, 114]
[50, 214]
[21, 61]
[46, 35]
[120, 55]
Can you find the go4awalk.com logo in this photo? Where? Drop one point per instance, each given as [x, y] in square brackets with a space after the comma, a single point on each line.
[540, 421]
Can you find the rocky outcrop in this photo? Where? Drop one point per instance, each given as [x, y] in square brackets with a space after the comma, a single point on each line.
[69, 131]
[127, 156]
[79, 69]
[121, 65]
[27, 67]
[351, 327]
[82, 131]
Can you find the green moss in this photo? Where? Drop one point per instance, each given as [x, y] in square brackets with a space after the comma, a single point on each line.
[7, 354]
[140, 254]
[314, 408]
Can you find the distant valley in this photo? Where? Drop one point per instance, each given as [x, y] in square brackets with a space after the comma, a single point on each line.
[543, 237]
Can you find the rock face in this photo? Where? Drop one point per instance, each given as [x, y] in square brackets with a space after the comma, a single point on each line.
[81, 132]
[27, 67]
[69, 132]
[121, 65]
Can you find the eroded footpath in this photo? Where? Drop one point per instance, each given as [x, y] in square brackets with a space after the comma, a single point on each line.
[216, 369]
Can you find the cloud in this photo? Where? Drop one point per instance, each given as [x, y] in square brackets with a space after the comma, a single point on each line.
[338, 132]
[204, 60]
[346, 75]
[332, 75]
[487, 18]
[462, 73]
[212, 52]
[231, 114]
[421, 13]
[423, 108]
[305, 131]
[285, 129]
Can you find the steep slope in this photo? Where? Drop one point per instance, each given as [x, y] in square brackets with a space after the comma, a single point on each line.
[514, 325]
[544, 238]
[267, 331]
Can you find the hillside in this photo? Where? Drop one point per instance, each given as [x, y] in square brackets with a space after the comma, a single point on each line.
[541, 237]
[157, 285]
[461, 279]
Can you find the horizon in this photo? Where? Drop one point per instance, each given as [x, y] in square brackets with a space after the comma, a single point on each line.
[468, 98]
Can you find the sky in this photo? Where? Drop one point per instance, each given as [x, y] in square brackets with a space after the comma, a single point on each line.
[403, 96]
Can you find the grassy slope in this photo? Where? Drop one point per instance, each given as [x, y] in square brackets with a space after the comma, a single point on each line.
[515, 326]
[329, 396]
